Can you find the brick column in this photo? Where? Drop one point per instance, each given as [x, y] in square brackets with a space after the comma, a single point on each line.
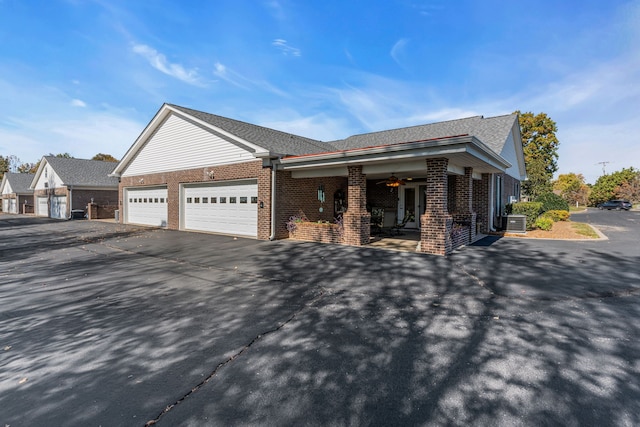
[436, 223]
[463, 212]
[356, 219]
[481, 202]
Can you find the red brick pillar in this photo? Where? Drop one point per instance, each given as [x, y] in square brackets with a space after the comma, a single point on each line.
[463, 212]
[481, 201]
[436, 223]
[356, 219]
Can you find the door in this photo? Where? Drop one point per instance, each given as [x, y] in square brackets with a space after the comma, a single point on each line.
[5, 205]
[229, 208]
[59, 207]
[409, 206]
[146, 206]
[42, 206]
[13, 206]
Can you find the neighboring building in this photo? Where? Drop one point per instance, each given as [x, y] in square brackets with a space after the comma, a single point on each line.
[16, 192]
[190, 170]
[62, 185]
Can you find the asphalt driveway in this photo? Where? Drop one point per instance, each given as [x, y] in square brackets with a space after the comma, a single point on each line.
[104, 324]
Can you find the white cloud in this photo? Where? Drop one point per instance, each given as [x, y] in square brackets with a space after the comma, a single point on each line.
[397, 51]
[158, 61]
[78, 103]
[285, 48]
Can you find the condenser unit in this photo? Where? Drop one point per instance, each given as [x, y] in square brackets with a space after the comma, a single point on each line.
[516, 223]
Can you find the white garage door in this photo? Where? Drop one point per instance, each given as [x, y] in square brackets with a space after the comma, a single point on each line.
[146, 206]
[13, 206]
[59, 207]
[5, 205]
[42, 207]
[222, 208]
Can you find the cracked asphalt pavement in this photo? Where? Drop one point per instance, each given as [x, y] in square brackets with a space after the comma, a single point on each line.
[109, 325]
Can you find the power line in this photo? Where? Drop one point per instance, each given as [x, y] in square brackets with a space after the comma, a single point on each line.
[604, 164]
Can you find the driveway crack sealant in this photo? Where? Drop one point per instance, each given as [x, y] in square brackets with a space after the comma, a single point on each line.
[232, 358]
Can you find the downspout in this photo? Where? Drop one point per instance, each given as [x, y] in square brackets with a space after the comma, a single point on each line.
[272, 237]
[70, 201]
[491, 202]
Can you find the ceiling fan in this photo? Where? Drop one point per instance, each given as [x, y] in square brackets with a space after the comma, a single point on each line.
[392, 181]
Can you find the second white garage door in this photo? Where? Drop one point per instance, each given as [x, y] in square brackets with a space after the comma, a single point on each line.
[221, 208]
[146, 206]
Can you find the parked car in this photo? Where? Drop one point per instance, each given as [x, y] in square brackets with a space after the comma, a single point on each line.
[615, 204]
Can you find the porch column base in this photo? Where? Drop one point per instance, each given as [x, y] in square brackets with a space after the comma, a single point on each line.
[357, 228]
[435, 233]
[467, 219]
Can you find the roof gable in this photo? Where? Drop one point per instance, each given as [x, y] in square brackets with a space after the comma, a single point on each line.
[76, 172]
[235, 141]
[16, 183]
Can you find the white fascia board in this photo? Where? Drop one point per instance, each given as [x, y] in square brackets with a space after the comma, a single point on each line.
[36, 176]
[4, 184]
[160, 116]
[320, 173]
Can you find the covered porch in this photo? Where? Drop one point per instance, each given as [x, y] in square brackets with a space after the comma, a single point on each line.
[439, 190]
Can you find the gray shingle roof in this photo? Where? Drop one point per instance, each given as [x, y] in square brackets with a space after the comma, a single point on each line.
[275, 141]
[20, 182]
[85, 173]
[492, 131]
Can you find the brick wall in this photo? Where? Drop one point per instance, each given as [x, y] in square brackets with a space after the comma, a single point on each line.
[95, 211]
[295, 195]
[381, 196]
[173, 180]
[314, 232]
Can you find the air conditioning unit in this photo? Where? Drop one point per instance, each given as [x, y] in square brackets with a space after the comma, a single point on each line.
[516, 224]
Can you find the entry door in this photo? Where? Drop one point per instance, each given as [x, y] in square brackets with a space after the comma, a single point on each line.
[410, 206]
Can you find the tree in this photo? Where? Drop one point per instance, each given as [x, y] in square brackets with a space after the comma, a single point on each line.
[105, 158]
[28, 167]
[8, 164]
[629, 190]
[609, 186]
[540, 146]
[572, 188]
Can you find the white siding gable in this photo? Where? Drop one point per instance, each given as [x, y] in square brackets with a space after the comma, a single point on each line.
[49, 177]
[510, 154]
[7, 188]
[178, 144]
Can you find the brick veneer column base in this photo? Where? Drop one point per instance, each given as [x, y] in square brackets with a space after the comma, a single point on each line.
[357, 227]
[435, 237]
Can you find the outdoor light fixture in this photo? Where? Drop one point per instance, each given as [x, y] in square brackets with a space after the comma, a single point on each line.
[393, 181]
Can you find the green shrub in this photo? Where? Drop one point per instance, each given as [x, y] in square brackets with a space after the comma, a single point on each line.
[556, 215]
[544, 223]
[551, 202]
[530, 209]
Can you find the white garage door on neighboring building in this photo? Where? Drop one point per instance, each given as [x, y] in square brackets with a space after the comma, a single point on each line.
[13, 206]
[146, 206]
[5, 205]
[42, 207]
[59, 207]
[228, 208]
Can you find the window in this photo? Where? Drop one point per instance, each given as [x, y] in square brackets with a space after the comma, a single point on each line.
[205, 200]
[155, 200]
[254, 200]
[130, 200]
[232, 200]
[161, 199]
[189, 200]
[243, 200]
[223, 200]
[196, 200]
[214, 200]
[145, 200]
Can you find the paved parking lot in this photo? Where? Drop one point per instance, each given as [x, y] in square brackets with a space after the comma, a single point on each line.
[104, 324]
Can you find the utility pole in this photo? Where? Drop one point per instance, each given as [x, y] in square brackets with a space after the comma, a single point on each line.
[604, 164]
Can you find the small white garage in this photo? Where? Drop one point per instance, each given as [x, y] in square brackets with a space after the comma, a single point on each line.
[146, 206]
[227, 208]
[42, 206]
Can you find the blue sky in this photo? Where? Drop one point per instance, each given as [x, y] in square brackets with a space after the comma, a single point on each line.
[86, 76]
